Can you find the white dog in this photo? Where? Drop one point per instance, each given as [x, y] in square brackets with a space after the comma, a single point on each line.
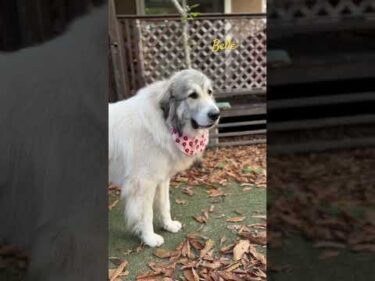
[155, 134]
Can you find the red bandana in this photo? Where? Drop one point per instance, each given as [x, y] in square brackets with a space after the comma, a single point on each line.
[190, 146]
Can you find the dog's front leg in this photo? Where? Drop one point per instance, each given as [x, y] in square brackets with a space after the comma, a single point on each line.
[139, 197]
[163, 205]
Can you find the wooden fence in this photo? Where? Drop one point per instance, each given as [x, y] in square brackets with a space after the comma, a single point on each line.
[150, 48]
[286, 16]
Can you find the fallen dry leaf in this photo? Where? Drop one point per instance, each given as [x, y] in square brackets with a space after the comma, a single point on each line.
[227, 249]
[149, 276]
[259, 238]
[233, 266]
[364, 248]
[216, 192]
[191, 275]
[328, 254]
[240, 249]
[258, 256]
[222, 240]
[116, 273]
[201, 219]
[260, 217]
[235, 219]
[329, 244]
[181, 202]
[164, 253]
[188, 190]
[114, 203]
[208, 246]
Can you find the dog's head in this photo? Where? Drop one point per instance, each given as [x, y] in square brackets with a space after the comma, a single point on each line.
[188, 104]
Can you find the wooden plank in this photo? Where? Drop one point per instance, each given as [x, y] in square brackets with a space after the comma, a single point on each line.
[322, 146]
[281, 28]
[129, 47]
[223, 105]
[245, 123]
[250, 109]
[242, 142]
[117, 52]
[321, 100]
[321, 123]
[139, 52]
[363, 67]
[240, 133]
[240, 92]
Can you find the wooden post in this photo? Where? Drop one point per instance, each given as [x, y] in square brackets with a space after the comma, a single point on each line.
[117, 52]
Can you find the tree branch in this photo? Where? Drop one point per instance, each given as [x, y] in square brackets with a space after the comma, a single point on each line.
[179, 8]
[185, 29]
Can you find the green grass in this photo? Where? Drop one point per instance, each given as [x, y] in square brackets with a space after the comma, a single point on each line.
[236, 203]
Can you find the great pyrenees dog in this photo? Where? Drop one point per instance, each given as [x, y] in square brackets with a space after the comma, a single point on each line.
[157, 133]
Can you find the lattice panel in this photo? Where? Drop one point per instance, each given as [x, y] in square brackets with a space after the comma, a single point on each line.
[162, 49]
[243, 68]
[158, 47]
[319, 9]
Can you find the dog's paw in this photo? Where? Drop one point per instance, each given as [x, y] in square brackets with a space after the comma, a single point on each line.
[153, 240]
[172, 226]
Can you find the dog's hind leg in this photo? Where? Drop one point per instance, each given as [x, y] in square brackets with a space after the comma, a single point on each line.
[138, 197]
[163, 206]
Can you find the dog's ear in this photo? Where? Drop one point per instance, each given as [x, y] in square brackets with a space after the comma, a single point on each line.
[165, 107]
[173, 118]
[166, 101]
[169, 105]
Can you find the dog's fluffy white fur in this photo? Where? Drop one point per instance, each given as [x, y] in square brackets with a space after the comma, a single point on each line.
[142, 154]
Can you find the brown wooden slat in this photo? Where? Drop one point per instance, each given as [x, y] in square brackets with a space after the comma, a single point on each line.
[138, 51]
[129, 50]
[362, 66]
[322, 122]
[321, 100]
[244, 92]
[239, 124]
[117, 52]
[253, 109]
[323, 145]
[237, 134]
[244, 142]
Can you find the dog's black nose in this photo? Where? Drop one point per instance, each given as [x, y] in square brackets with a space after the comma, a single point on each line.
[214, 115]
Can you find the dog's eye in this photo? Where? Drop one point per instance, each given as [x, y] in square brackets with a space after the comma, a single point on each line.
[193, 95]
[210, 92]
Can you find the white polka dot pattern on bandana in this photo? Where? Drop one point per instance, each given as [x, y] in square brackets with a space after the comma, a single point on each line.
[190, 146]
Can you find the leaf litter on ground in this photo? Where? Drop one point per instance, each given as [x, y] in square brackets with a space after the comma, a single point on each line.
[327, 202]
[222, 165]
[195, 257]
[198, 257]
